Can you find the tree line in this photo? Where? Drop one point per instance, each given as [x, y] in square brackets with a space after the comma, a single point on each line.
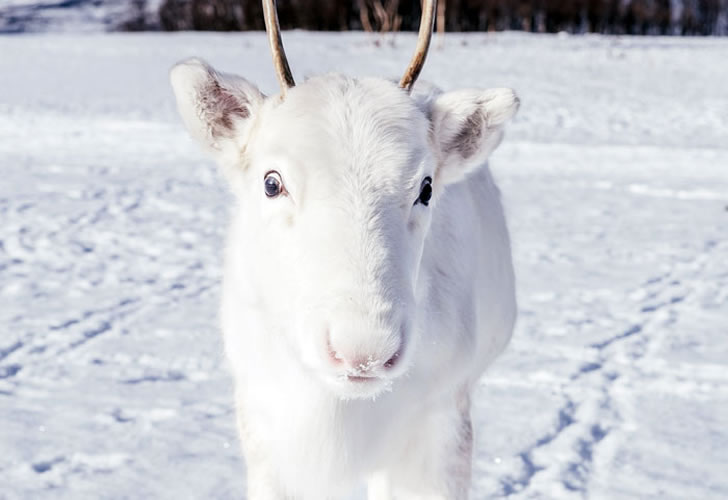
[638, 17]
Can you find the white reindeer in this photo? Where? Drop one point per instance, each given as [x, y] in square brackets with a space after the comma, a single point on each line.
[368, 278]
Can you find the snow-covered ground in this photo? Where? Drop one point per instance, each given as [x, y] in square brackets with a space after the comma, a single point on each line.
[74, 16]
[615, 179]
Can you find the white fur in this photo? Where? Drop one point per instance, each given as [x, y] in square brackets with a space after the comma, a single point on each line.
[346, 263]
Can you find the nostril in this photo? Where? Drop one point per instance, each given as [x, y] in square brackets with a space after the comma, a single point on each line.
[395, 359]
[391, 362]
[333, 355]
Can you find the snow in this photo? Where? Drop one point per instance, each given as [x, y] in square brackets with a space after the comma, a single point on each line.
[615, 180]
[74, 16]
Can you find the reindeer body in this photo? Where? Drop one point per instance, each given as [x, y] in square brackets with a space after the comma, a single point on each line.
[368, 278]
[305, 440]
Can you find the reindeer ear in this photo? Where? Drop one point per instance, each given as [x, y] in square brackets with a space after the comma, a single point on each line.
[467, 126]
[215, 107]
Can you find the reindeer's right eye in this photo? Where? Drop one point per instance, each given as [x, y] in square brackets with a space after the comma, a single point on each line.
[273, 184]
[425, 191]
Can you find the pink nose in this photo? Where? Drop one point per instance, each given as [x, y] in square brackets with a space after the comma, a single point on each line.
[365, 363]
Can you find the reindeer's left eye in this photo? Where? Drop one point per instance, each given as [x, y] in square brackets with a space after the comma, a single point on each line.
[425, 192]
[273, 184]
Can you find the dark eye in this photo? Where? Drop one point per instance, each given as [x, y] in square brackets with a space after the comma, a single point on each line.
[425, 192]
[273, 184]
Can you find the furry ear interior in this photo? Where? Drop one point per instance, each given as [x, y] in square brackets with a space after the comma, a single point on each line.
[215, 107]
[467, 126]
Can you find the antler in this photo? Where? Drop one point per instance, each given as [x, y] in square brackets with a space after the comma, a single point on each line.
[283, 71]
[423, 43]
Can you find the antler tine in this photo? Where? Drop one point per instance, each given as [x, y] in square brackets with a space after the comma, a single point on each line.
[423, 44]
[283, 71]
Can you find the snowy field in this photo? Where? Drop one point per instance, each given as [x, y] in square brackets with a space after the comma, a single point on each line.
[615, 180]
[74, 16]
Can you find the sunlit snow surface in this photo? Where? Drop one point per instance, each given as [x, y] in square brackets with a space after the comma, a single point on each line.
[615, 181]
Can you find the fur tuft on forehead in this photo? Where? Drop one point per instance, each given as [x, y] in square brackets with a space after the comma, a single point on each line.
[369, 127]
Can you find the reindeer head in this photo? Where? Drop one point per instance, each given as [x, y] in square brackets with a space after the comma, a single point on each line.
[336, 181]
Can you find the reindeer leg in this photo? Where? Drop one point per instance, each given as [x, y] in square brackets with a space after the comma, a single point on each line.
[261, 482]
[379, 487]
[437, 464]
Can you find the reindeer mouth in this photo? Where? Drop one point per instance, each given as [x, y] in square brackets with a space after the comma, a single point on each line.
[358, 385]
[362, 379]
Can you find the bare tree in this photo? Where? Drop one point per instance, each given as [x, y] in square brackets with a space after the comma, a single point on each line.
[688, 17]
[381, 16]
